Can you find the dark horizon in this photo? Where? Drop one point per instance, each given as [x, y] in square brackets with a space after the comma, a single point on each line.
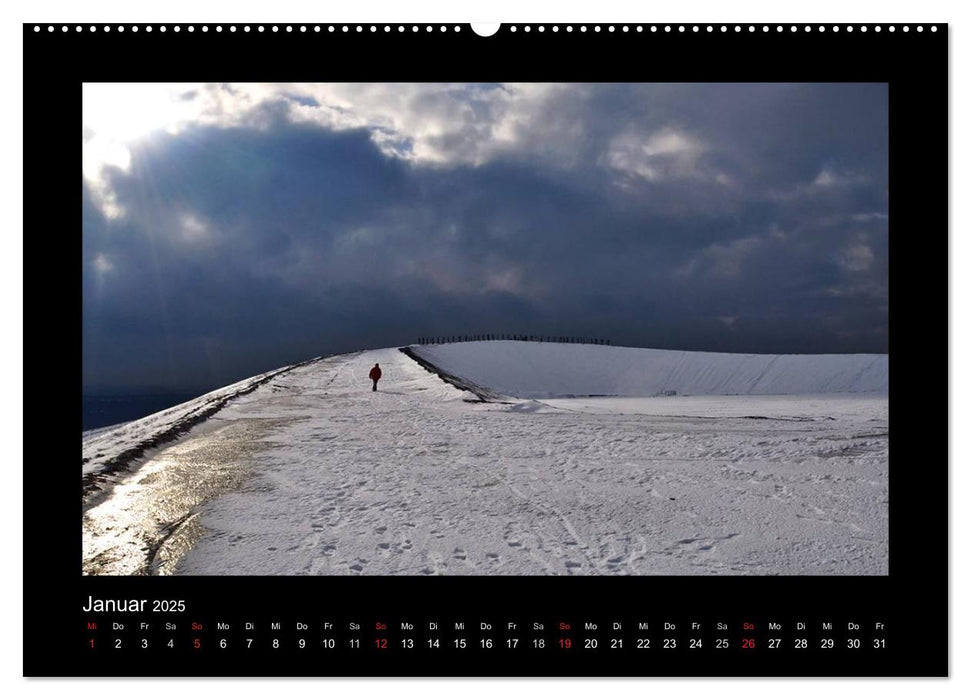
[230, 230]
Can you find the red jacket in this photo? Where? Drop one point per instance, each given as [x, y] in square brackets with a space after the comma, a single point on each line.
[375, 373]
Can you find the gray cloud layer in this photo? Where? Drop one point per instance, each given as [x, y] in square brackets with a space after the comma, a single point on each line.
[273, 223]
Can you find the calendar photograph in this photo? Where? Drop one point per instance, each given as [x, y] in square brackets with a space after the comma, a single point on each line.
[485, 329]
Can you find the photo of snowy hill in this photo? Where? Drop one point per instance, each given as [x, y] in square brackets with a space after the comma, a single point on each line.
[485, 329]
[313, 473]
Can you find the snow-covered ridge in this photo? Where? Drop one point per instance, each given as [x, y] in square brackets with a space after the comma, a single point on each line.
[112, 449]
[549, 370]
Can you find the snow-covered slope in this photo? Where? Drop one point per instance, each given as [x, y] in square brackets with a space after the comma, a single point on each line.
[314, 473]
[548, 370]
[105, 451]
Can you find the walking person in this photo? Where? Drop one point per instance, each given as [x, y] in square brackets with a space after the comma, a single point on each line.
[375, 375]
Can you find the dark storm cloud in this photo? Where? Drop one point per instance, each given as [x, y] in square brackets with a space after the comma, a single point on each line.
[728, 217]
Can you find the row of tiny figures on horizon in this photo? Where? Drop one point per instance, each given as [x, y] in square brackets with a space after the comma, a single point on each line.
[438, 340]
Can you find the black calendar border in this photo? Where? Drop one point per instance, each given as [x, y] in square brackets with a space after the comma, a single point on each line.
[913, 598]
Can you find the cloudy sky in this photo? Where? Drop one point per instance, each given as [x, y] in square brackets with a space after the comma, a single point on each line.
[231, 229]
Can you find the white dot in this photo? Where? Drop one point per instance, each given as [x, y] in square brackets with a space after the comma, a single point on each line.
[779, 28]
[626, 28]
[863, 28]
[694, 28]
[91, 28]
[934, 29]
[219, 27]
[878, 28]
[681, 28]
[386, 28]
[120, 29]
[919, 29]
[77, 28]
[850, 29]
[640, 28]
[569, 28]
[246, 28]
[260, 28]
[457, 28]
[176, 29]
[556, 28]
[822, 29]
[596, 29]
[737, 28]
[792, 28]
[765, 28]
[653, 28]
[583, 29]
[710, 28]
[906, 28]
[724, 28]
[444, 28]
[64, 28]
[428, 28]
[162, 28]
[667, 28]
[610, 28]
[107, 28]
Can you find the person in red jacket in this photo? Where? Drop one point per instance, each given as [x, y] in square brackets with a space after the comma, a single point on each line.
[375, 375]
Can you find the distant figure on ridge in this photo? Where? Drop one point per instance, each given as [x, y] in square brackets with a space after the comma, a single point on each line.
[375, 375]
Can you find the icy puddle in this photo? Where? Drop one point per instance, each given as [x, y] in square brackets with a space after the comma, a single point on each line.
[315, 474]
[151, 519]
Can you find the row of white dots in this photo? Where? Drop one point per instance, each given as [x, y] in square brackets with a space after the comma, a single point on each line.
[247, 28]
[513, 28]
[726, 28]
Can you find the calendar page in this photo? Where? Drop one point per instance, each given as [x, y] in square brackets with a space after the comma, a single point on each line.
[523, 350]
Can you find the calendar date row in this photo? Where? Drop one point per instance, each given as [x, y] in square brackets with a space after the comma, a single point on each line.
[383, 644]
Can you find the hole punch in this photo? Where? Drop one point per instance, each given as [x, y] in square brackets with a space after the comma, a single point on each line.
[485, 29]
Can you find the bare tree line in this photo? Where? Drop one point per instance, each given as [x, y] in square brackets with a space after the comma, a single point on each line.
[438, 340]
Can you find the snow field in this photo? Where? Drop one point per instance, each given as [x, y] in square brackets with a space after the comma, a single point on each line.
[333, 479]
[547, 370]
